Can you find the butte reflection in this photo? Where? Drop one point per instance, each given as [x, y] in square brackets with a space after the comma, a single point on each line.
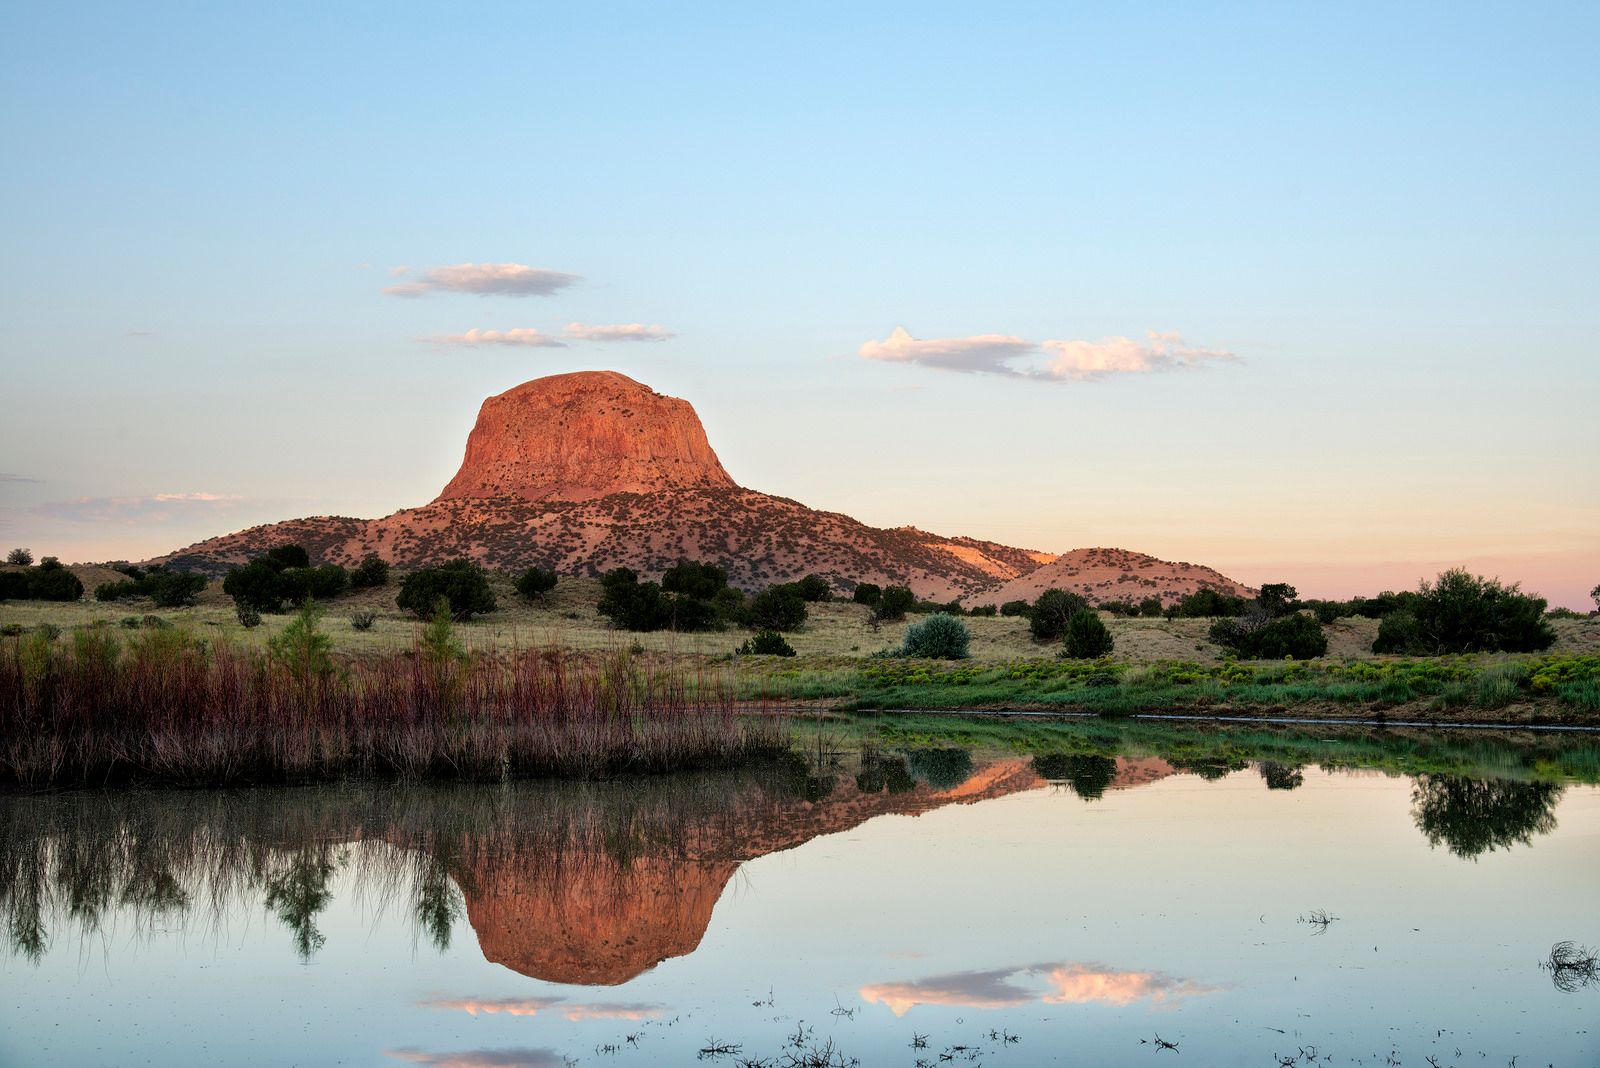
[572, 883]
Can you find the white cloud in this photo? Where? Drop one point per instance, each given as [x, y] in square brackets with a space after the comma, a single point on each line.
[1121, 355]
[981, 354]
[522, 336]
[1008, 355]
[618, 332]
[483, 279]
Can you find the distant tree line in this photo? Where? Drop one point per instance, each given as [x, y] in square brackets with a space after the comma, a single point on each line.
[50, 581]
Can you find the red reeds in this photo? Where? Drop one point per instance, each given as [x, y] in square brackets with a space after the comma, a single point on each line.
[166, 707]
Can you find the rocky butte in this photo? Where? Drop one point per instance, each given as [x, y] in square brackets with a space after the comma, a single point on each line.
[588, 471]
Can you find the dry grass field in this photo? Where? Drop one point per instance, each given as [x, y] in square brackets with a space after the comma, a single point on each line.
[834, 632]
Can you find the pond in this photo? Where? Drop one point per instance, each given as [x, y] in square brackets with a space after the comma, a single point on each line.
[963, 893]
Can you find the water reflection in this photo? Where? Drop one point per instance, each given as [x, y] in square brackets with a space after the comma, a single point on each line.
[1063, 983]
[1474, 816]
[594, 884]
[483, 1058]
[571, 883]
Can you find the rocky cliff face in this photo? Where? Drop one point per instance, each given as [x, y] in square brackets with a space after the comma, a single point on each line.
[582, 436]
[591, 471]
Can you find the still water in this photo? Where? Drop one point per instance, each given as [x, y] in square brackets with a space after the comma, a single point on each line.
[880, 900]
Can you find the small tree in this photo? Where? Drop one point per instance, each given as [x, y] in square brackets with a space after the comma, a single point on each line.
[940, 636]
[1277, 598]
[1464, 613]
[282, 556]
[1296, 636]
[1087, 637]
[305, 652]
[535, 582]
[462, 583]
[698, 580]
[814, 589]
[257, 585]
[776, 608]
[371, 572]
[1150, 607]
[1014, 608]
[1051, 613]
[869, 593]
[631, 604]
[20, 557]
[894, 603]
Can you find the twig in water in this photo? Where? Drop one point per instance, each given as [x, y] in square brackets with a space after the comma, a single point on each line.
[1572, 966]
[1319, 919]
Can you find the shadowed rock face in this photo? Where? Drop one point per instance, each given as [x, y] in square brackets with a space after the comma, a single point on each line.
[580, 436]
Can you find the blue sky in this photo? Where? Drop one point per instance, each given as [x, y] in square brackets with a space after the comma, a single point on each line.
[1387, 216]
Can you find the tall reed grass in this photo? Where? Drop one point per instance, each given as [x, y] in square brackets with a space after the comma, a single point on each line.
[166, 707]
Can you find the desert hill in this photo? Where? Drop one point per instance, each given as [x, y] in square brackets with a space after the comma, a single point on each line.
[588, 471]
[1113, 575]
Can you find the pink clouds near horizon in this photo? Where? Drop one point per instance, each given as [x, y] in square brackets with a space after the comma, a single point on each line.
[481, 279]
[1063, 983]
[996, 354]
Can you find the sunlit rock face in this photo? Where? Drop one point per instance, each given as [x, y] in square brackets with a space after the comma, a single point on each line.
[580, 436]
[585, 472]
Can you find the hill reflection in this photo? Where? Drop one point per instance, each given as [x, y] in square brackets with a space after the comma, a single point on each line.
[587, 884]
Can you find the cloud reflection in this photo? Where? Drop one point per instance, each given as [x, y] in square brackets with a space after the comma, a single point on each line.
[1065, 983]
[571, 1010]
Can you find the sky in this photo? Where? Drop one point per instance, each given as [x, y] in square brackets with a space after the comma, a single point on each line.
[1304, 293]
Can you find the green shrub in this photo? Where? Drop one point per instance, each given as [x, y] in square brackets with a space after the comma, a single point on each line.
[776, 608]
[1048, 618]
[729, 605]
[19, 557]
[535, 582]
[700, 581]
[286, 556]
[766, 643]
[53, 584]
[461, 583]
[373, 571]
[116, 591]
[1206, 602]
[1151, 608]
[1297, 636]
[1398, 632]
[1463, 613]
[168, 589]
[1014, 608]
[940, 637]
[1086, 637]
[257, 585]
[631, 604]
[363, 620]
[172, 589]
[248, 617]
[814, 589]
[894, 602]
[982, 610]
[300, 584]
[867, 593]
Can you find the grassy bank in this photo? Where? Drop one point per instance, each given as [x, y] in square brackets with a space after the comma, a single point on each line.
[1558, 688]
[163, 706]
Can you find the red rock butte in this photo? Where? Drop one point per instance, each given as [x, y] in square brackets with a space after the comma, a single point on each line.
[582, 436]
[589, 471]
